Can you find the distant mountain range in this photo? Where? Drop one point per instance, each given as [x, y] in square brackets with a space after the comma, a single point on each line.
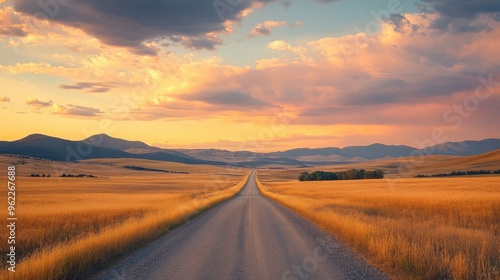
[379, 151]
[97, 146]
[104, 146]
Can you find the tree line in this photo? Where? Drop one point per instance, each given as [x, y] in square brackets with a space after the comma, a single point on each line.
[77, 175]
[140, 168]
[353, 174]
[39, 175]
[460, 173]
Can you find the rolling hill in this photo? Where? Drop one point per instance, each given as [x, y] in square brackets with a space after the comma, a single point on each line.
[465, 148]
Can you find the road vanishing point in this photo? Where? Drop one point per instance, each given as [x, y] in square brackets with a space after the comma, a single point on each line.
[248, 237]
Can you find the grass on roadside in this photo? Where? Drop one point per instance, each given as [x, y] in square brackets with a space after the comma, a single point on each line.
[70, 228]
[444, 228]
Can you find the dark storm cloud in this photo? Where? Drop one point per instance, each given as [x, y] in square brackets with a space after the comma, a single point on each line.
[457, 15]
[468, 9]
[130, 23]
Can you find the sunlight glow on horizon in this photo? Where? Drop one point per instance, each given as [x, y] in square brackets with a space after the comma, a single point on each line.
[267, 73]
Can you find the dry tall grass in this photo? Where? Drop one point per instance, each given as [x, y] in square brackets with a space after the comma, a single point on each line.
[446, 228]
[68, 229]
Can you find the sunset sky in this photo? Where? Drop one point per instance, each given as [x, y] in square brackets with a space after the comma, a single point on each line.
[280, 74]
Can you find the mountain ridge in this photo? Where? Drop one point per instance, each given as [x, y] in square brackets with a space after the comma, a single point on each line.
[103, 145]
[58, 149]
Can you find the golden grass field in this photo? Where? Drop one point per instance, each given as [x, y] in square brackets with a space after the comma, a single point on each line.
[69, 227]
[426, 228]
[432, 228]
[405, 167]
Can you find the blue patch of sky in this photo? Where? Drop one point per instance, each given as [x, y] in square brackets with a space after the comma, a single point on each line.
[334, 19]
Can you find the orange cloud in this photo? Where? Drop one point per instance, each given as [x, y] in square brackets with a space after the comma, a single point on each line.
[406, 76]
[12, 23]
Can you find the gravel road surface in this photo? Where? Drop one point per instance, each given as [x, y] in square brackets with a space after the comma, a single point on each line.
[249, 237]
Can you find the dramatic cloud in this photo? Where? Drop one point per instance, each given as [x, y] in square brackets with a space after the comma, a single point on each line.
[132, 23]
[74, 110]
[396, 83]
[465, 8]
[88, 87]
[459, 15]
[4, 99]
[405, 73]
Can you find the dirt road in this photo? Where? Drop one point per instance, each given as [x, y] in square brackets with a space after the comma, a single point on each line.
[247, 237]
